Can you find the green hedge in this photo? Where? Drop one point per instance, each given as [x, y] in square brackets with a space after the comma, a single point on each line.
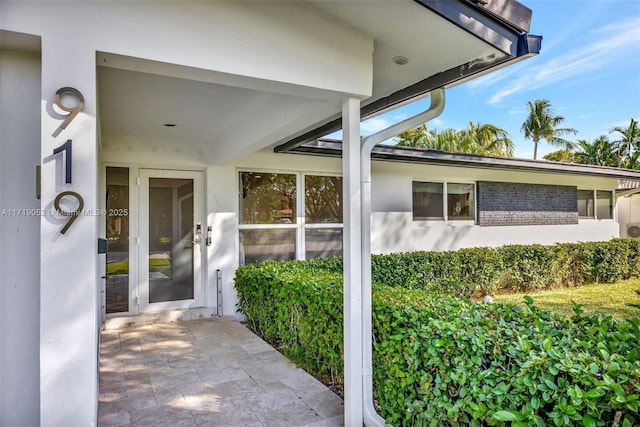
[514, 267]
[449, 361]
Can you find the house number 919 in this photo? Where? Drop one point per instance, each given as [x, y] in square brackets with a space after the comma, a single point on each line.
[66, 150]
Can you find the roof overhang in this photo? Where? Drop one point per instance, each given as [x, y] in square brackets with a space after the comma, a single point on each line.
[500, 24]
[333, 148]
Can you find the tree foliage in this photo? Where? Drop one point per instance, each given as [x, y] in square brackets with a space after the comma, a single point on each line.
[478, 138]
[543, 123]
[623, 152]
[563, 155]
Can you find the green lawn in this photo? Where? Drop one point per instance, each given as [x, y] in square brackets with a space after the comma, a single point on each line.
[607, 299]
[155, 264]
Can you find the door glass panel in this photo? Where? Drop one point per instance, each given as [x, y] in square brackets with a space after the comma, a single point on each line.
[117, 283]
[170, 239]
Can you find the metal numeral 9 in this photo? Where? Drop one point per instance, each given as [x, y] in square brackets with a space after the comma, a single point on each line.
[73, 111]
[73, 215]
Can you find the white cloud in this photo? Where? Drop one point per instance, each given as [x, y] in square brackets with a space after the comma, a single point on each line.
[437, 122]
[374, 124]
[616, 42]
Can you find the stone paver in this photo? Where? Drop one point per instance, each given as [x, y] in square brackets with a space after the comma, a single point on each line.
[205, 372]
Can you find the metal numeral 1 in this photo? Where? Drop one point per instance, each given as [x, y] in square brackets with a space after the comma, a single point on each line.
[66, 147]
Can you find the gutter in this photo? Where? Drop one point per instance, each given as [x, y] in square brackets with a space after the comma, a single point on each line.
[371, 417]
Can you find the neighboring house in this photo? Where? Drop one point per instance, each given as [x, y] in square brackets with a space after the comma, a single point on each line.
[628, 202]
[180, 132]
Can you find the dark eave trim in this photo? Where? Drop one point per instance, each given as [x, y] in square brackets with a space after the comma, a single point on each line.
[333, 148]
[479, 21]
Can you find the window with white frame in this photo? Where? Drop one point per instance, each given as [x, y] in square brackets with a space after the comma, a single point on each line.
[447, 201]
[604, 204]
[271, 226]
[323, 216]
[267, 216]
[597, 204]
[585, 204]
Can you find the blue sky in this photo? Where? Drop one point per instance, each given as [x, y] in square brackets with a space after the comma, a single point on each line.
[588, 68]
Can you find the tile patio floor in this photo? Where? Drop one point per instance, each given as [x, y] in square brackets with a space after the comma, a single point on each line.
[206, 372]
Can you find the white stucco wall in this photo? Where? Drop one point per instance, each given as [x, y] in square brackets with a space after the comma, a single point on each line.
[393, 232]
[19, 239]
[393, 228]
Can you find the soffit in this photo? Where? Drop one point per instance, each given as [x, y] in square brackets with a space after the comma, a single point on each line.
[406, 28]
[221, 117]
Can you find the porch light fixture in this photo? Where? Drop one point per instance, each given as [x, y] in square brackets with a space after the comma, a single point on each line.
[400, 60]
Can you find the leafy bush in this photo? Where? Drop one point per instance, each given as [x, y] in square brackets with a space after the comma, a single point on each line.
[461, 272]
[448, 361]
[528, 267]
[597, 262]
[512, 267]
[443, 360]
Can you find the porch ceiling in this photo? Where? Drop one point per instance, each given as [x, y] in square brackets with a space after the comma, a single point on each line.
[220, 118]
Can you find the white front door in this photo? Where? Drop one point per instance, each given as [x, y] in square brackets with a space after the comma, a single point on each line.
[171, 230]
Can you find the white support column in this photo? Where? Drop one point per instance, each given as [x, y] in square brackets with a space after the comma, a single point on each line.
[353, 409]
[69, 288]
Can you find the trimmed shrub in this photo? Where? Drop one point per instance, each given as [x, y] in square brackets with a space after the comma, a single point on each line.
[528, 267]
[442, 360]
[460, 273]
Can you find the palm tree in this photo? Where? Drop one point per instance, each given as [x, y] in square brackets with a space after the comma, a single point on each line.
[490, 139]
[542, 123]
[600, 152]
[416, 137]
[484, 139]
[629, 139]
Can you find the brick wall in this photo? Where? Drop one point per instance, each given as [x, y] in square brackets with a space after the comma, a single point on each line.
[507, 203]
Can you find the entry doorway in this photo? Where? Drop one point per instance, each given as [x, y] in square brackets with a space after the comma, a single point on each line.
[155, 258]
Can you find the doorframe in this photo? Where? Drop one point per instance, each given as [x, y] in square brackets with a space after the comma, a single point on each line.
[134, 234]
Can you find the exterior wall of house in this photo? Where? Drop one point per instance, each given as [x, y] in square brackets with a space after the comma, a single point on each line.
[20, 239]
[394, 230]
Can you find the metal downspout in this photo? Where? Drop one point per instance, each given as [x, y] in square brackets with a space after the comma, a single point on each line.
[371, 417]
